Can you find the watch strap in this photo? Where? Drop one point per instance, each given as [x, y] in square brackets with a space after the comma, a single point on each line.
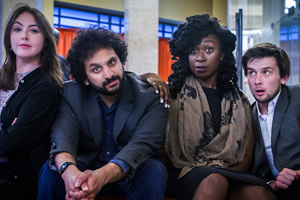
[64, 166]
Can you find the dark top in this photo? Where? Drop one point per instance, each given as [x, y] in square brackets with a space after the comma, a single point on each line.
[33, 107]
[214, 100]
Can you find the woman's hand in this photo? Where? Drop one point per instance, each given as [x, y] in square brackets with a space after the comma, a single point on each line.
[160, 87]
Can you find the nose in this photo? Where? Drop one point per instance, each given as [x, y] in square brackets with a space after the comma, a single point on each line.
[200, 56]
[258, 79]
[25, 36]
[107, 73]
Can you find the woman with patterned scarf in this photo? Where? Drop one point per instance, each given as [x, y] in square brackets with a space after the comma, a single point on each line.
[210, 136]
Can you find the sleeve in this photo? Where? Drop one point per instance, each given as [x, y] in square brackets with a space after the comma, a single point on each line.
[66, 128]
[33, 121]
[125, 167]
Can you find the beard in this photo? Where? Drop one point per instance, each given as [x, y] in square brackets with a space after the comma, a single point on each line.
[102, 90]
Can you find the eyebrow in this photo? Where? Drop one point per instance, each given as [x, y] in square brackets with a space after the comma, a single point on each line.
[93, 65]
[16, 22]
[264, 68]
[205, 41]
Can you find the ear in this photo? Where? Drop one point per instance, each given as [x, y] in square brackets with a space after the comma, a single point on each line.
[222, 56]
[284, 79]
[86, 82]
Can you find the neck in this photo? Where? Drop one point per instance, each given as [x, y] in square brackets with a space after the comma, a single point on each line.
[263, 108]
[23, 65]
[108, 100]
[208, 83]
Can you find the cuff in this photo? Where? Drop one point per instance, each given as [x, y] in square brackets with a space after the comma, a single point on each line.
[125, 167]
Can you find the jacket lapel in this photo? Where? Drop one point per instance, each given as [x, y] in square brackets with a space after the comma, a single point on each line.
[281, 106]
[259, 142]
[94, 117]
[124, 108]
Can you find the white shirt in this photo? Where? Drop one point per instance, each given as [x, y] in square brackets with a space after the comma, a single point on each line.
[267, 134]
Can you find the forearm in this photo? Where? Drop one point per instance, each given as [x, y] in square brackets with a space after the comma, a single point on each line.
[111, 172]
[63, 157]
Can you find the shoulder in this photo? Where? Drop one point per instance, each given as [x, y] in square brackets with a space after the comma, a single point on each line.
[37, 79]
[74, 89]
[137, 84]
[293, 93]
[293, 89]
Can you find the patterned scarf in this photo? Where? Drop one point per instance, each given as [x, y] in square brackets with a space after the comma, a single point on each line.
[191, 139]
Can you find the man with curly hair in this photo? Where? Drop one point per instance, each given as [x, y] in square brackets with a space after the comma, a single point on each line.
[108, 130]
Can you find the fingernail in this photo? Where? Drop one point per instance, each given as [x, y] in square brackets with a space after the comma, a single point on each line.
[156, 91]
[168, 105]
[162, 101]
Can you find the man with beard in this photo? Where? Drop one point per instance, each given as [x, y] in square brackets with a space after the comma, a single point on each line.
[108, 130]
[276, 119]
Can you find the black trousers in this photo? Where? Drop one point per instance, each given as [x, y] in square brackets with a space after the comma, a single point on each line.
[16, 185]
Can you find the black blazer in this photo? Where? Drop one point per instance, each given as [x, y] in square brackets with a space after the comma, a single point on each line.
[139, 128]
[285, 139]
[34, 105]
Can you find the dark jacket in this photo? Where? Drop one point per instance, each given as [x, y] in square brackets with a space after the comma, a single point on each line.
[139, 128]
[26, 121]
[285, 138]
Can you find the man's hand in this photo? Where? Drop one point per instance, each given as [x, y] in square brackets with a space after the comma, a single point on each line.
[91, 182]
[285, 179]
[70, 176]
[160, 87]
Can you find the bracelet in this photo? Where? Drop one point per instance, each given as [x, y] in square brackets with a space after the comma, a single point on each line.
[269, 182]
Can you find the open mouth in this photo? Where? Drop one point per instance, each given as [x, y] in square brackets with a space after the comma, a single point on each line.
[260, 92]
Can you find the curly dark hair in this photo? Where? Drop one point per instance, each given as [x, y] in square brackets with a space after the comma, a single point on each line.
[190, 34]
[86, 43]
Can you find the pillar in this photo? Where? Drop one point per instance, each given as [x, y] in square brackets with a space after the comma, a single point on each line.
[141, 35]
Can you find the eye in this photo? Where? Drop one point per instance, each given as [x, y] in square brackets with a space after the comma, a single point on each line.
[96, 69]
[266, 72]
[34, 31]
[112, 61]
[17, 29]
[251, 73]
[208, 50]
[194, 51]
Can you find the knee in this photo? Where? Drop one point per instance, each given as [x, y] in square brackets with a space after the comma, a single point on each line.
[153, 173]
[214, 180]
[250, 192]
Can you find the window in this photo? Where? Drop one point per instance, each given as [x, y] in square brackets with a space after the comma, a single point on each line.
[288, 4]
[65, 17]
[166, 30]
[289, 33]
[74, 16]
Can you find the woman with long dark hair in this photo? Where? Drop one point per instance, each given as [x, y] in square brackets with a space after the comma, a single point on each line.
[30, 83]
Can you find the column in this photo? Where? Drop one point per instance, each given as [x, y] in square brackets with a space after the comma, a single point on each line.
[141, 35]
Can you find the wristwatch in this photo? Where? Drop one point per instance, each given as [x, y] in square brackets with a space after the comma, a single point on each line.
[64, 166]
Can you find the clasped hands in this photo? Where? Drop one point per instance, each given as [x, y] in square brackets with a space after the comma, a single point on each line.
[83, 185]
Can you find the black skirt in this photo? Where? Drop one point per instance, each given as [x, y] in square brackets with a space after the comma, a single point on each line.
[185, 187]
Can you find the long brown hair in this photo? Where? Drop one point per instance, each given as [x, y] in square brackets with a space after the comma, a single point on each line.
[49, 58]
